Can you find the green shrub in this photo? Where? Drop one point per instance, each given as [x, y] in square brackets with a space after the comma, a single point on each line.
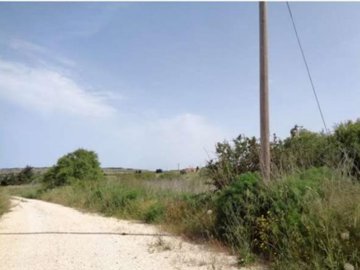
[347, 135]
[302, 150]
[307, 149]
[240, 156]
[191, 215]
[25, 176]
[238, 207]
[8, 179]
[155, 213]
[79, 165]
[295, 222]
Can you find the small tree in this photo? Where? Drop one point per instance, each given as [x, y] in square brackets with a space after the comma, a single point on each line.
[80, 165]
[240, 156]
[8, 179]
[26, 175]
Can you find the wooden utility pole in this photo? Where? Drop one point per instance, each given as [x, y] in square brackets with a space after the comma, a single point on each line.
[264, 96]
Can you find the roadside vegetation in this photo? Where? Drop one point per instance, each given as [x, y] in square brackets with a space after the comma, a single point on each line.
[4, 202]
[25, 176]
[307, 217]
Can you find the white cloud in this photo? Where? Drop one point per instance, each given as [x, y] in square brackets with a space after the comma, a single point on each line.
[49, 91]
[36, 52]
[158, 142]
[126, 140]
[186, 139]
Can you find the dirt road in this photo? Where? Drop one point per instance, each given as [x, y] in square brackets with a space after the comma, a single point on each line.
[38, 235]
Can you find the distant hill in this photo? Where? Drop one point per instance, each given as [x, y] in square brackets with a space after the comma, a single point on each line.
[40, 170]
[17, 170]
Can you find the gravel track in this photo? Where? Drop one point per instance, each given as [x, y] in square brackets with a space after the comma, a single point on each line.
[39, 235]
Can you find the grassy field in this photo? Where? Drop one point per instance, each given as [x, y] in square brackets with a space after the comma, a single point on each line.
[305, 220]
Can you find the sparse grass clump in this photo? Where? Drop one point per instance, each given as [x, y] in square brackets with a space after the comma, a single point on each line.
[159, 245]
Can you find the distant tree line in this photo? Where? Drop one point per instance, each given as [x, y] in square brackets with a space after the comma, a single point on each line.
[25, 176]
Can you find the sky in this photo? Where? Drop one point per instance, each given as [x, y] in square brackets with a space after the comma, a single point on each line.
[157, 85]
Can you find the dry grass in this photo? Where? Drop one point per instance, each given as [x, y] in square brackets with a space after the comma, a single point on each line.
[4, 201]
[159, 245]
[28, 191]
[191, 183]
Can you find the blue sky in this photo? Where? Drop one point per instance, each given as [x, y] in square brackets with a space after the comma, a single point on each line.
[151, 85]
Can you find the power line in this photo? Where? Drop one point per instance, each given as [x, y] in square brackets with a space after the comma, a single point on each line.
[307, 68]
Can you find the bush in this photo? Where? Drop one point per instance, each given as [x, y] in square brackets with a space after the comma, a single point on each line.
[80, 165]
[302, 150]
[155, 213]
[296, 222]
[306, 150]
[8, 179]
[347, 135]
[238, 206]
[240, 156]
[25, 176]
[191, 215]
